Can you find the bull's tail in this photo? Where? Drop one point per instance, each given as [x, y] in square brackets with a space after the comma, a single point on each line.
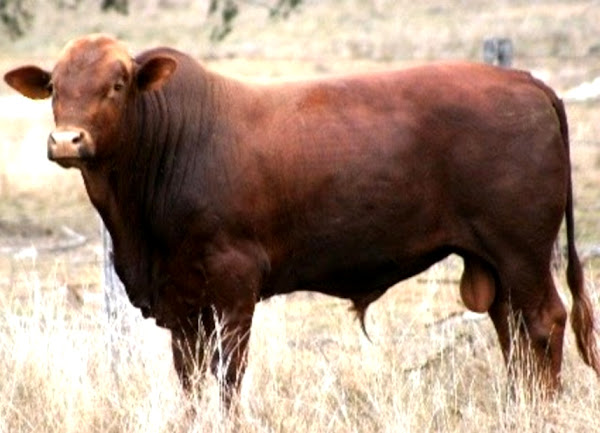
[582, 313]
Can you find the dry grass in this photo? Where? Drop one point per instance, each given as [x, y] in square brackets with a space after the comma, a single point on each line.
[310, 369]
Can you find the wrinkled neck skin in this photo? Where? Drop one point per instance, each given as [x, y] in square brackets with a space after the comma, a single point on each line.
[139, 195]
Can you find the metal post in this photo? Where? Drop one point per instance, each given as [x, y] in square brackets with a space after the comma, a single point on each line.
[498, 51]
[122, 316]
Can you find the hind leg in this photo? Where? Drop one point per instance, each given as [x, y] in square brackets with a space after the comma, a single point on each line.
[530, 322]
[545, 327]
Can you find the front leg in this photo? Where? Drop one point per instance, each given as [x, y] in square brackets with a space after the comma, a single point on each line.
[189, 343]
[234, 274]
[223, 333]
[230, 347]
[225, 281]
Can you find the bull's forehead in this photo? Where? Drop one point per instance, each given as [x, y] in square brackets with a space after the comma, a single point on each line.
[96, 51]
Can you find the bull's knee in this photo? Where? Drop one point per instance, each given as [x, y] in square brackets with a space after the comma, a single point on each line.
[186, 347]
[546, 326]
[545, 329]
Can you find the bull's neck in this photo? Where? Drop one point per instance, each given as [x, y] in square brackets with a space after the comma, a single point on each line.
[130, 195]
[168, 148]
[141, 195]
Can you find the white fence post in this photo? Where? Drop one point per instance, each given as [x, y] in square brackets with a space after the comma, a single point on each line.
[122, 316]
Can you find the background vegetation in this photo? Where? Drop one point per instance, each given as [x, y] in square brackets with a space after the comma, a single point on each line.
[16, 15]
[430, 367]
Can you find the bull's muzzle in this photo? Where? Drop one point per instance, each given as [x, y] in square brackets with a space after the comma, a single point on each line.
[69, 144]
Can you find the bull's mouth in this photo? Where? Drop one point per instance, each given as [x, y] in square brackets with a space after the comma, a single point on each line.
[69, 161]
[69, 148]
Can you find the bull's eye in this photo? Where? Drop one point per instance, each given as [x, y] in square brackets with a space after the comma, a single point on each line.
[115, 89]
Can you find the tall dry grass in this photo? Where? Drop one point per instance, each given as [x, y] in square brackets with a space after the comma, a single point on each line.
[310, 369]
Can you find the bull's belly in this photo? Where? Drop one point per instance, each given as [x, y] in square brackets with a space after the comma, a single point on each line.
[345, 278]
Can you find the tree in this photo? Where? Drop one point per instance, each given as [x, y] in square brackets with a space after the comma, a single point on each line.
[228, 11]
[121, 6]
[16, 15]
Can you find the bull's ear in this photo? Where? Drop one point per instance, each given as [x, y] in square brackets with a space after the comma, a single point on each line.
[30, 81]
[154, 72]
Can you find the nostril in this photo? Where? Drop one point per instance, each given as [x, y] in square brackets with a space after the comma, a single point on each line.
[78, 138]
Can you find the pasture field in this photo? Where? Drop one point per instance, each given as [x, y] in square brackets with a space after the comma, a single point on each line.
[430, 367]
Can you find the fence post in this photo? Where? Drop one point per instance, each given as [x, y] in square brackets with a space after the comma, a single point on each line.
[121, 315]
[498, 51]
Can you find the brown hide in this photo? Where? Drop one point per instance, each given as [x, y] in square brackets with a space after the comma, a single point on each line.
[219, 193]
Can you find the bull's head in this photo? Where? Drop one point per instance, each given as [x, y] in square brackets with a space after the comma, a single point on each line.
[92, 87]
